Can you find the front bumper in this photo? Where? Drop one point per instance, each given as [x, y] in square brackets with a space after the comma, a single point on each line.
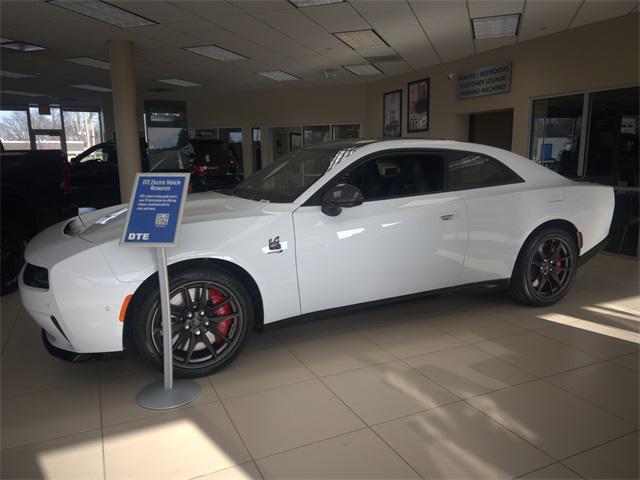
[83, 295]
[74, 357]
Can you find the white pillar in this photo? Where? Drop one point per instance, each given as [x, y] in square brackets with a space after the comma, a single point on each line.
[123, 86]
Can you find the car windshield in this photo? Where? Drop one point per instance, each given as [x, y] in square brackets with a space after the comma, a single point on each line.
[286, 179]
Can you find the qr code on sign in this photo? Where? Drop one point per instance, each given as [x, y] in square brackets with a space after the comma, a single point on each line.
[162, 219]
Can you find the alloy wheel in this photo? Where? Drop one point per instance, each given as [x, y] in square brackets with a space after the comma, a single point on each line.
[551, 267]
[206, 321]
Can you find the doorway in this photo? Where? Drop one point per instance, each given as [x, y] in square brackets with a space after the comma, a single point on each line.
[492, 128]
[285, 140]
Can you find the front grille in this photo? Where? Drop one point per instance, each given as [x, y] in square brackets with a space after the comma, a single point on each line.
[36, 277]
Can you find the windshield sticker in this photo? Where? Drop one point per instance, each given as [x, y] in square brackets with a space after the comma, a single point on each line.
[341, 155]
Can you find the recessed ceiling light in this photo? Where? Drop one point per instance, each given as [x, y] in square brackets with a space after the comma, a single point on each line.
[278, 76]
[361, 39]
[363, 70]
[329, 73]
[313, 3]
[90, 62]
[24, 94]
[180, 83]
[22, 46]
[216, 53]
[4, 73]
[495, 27]
[93, 88]
[105, 12]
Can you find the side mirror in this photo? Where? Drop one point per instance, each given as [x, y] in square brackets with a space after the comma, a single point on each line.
[341, 196]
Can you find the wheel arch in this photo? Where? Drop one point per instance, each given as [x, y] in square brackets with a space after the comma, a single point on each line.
[233, 268]
[563, 224]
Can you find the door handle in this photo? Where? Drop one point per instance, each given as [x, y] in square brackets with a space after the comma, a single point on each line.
[447, 216]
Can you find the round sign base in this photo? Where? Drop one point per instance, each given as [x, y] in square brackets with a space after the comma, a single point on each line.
[156, 397]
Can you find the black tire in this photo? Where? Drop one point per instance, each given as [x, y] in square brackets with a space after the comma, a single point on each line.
[203, 331]
[14, 240]
[546, 268]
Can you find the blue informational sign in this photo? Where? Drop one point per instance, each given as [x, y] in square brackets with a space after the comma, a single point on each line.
[155, 210]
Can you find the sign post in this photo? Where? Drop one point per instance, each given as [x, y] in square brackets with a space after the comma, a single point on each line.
[153, 220]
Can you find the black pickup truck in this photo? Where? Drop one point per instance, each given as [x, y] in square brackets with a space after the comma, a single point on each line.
[35, 188]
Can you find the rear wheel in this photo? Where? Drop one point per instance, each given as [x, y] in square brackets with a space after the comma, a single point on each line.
[211, 319]
[546, 268]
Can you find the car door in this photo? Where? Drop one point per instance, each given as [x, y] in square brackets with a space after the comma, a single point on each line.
[408, 236]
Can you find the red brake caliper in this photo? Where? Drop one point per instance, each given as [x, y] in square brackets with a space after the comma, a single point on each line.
[224, 326]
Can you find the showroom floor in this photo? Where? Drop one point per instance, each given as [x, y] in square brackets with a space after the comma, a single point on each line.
[455, 387]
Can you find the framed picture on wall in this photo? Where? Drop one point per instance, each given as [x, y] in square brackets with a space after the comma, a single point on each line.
[295, 142]
[418, 105]
[392, 114]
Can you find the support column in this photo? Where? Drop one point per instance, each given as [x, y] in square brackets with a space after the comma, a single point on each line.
[123, 86]
[247, 151]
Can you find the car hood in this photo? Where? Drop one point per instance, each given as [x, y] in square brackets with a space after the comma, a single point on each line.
[107, 224]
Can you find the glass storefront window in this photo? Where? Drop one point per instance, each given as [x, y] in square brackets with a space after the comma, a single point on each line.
[313, 135]
[82, 130]
[14, 130]
[346, 132]
[612, 154]
[555, 133]
[48, 142]
[50, 121]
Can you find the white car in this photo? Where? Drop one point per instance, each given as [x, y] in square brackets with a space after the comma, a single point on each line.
[322, 228]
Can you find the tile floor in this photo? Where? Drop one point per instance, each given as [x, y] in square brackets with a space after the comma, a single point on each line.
[448, 387]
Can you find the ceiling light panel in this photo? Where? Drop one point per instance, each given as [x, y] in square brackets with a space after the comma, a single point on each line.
[180, 83]
[104, 12]
[496, 27]
[361, 39]
[23, 94]
[93, 88]
[278, 76]
[363, 70]
[313, 3]
[216, 53]
[22, 46]
[90, 62]
[4, 73]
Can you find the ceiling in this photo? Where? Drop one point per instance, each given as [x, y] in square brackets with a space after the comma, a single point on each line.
[273, 34]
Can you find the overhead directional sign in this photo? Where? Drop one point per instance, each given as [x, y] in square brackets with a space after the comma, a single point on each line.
[155, 210]
[489, 80]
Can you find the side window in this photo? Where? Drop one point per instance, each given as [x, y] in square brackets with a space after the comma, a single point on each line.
[472, 170]
[399, 174]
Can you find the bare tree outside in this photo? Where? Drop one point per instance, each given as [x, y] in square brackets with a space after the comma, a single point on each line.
[82, 129]
[14, 129]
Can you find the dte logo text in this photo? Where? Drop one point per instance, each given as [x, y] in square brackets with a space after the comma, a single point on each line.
[138, 236]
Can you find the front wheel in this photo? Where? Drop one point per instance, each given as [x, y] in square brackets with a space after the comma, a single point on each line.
[545, 269]
[211, 319]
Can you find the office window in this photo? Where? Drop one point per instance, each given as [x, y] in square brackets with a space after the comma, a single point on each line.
[49, 121]
[555, 133]
[312, 135]
[346, 132]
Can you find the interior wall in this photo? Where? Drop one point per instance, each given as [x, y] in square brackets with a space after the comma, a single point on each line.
[599, 55]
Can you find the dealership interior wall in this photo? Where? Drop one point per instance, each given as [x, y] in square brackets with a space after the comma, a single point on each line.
[567, 62]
